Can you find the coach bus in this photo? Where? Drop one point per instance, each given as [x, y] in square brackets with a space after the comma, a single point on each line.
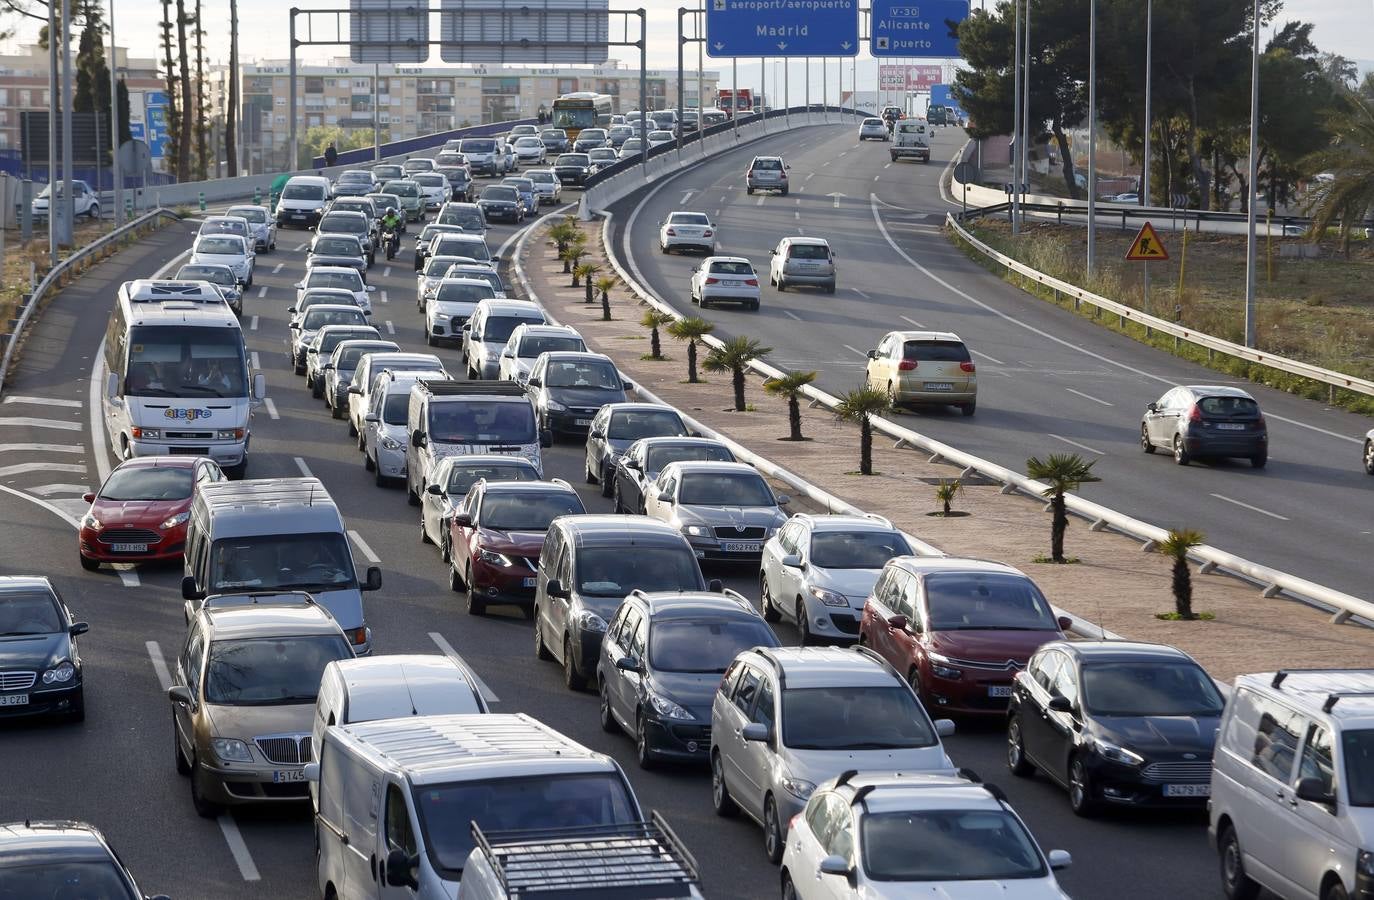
[574, 112]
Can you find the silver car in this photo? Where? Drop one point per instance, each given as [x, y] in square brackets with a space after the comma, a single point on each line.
[384, 434]
[225, 250]
[725, 510]
[530, 150]
[802, 260]
[547, 187]
[260, 221]
[453, 477]
[315, 318]
[320, 351]
[434, 187]
[873, 129]
[766, 173]
[338, 370]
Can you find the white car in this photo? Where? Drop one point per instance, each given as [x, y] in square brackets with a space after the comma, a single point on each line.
[85, 202]
[450, 306]
[434, 188]
[657, 138]
[725, 279]
[263, 226]
[873, 129]
[1128, 197]
[547, 187]
[226, 250]
[346, 279]
[453, 477]
[435, 270]
[519, 131]
[632, 147]
[415, 166]
[818, 571]
[529, 150]
[484, 271]
[371, 365]
[891, 836]
[687, 230]
[528, 341]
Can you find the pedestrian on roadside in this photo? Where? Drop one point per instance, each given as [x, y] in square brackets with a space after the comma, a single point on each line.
[331, 155]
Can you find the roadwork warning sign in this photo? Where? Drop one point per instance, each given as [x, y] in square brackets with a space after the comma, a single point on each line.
[1147, 247]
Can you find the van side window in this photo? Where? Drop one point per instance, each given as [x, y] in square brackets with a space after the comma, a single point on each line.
[727, 683]
[764, 712]
[1317, 761]
[192, 658]
[399, 835]
[1276, 741]
[748, 688]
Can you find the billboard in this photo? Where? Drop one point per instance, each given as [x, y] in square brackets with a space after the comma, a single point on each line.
[908, 78]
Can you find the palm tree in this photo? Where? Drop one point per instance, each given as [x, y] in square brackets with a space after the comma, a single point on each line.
[588, 271]
[604, 285]
[790, 386]
[734, 356]
[653, 318]
[1176, 547]
[1350, 158]
[691, 329]
[577, 248]
[945, 492]
[1065, 472]
[560, 235]
[187, 109]
[860, 406]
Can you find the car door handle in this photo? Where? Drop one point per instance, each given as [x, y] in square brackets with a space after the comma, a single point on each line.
[1278, 794]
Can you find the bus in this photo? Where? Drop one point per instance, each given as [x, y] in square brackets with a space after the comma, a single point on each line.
[584, 109]
[176, 375]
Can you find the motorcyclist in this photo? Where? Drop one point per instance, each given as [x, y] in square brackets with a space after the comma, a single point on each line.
[391, 230]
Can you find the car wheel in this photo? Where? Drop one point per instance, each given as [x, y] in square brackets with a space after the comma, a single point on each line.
[968, 409]
[789, 890]
[1369, 457]
[1016, 750]
[444, 552]
[644, 754]
[721, 800]
[424, 532]
[573, 680]
[540, 650]
[1145, 443]
[316, 388]
[335, 412]
[1335, 891]
[608, 722]
[772, 829]
[369, 465]
[1081, 799]
[90, 565]
[411, 496]
[206, 809]
[1180, 452]
[352, 430]
[1259, 460]
[1235, 884]
[183, 767]
[607, 483]
[362, 438]
[749, 191]
[477, 605]
[615, 494]
[94, 211]
[589, 475]
[754, 305]
[782, 285]
[455, 581]
[804, 625]
[770, 612]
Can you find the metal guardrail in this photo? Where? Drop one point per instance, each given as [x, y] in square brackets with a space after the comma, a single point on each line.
[61, 269]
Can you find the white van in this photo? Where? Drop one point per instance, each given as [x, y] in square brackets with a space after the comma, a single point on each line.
[911, 137]
[397, 797]
[302, 200]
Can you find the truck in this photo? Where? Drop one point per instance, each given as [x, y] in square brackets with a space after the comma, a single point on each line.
[910, 138]
[728, 100]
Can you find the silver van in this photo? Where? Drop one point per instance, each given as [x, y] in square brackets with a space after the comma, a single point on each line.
[302, 200]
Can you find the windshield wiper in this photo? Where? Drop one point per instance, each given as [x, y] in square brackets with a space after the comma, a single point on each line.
[25, 633]
[201, 387]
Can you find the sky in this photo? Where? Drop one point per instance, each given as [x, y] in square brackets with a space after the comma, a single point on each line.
[1342, 26]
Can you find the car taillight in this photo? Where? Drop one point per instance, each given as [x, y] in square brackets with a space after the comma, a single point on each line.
[967, 366]
[783, 176]
[672, 233]
[1195, 414]
[752, 282]
[713, 281]
[1259, 423]
[907, 365]
[706, 233]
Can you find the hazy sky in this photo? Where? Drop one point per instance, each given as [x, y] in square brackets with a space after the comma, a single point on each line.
[1342, 26]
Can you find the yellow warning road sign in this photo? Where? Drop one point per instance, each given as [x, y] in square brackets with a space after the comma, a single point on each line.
[1147, 247]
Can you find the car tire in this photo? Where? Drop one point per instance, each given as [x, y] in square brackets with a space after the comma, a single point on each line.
[352, 429]
[368, 464]
[477, 605]
[316, 389]
[1259, 460]
[206, 809]
[1181, 456]
[754, 305]
[1081, 799]
[619, 507]
[749, 191]
[1335, 891]
[766, 606]
[773, 842]
[968, 409]
[455, 581]
[804, 625]
[782, 285]
[644, 754]
[830, 288]
[1235, 884]
[335, 412]
[721, 800]
[1369, 457]
[424, 534]
[541, 651]
[607, 483]
[411, 496]
[1145, 443]
[789, 890]
[663, 248]
[90, 565]
[573, 680]
[183, 767]
[588, 475]
[608, 722]
[1016, 750]
[78, 711]
[784, 192]
[94, 211]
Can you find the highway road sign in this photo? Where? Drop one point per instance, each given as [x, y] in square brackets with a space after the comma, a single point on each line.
[536, 32]
[1147, 247]
[776, 28]
[915, 28]
[388, 31]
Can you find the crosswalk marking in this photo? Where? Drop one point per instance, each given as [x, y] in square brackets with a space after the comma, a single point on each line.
[43, 401]
[21, 468]
[43, 448]
[39, 423]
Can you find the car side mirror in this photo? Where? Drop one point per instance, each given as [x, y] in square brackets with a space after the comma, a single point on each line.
[88, 497]
[1152, 406]
[462, 520]
[835, 864]
[311, 771]
[327, 367]
[598, 432]
[370, 288]
[534, 382]
[398, 865]
[555, 588]
[1060, 704]
[898, 622]
[665, 497]
[627, 385]
[417, 438]
[633, 464]
[783, 499]
[291, 309]
[374, 579]
[354, 389]
[189, 591]
[180, 693]
[1313, 791]
[791, 561]
[715, 586]
[944, 727]
[435, 490]
[629, 664]
[545, 438]
[76, 629]
[1059, 859]
[312, 350]
[300, 285]
[873, 354]
[1064, 623]
[755, 731]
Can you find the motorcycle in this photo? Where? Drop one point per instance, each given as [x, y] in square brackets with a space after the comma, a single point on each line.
[392, 241]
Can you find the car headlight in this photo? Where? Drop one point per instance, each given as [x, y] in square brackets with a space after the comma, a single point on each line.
[231, 750]
[667, 708]
[391, 444]
[147, 434]
[590, 621]
[90, 521]
[555, 406]
[798, 787]
[697, 530]
[178, 519]
[61, 673]
[829, 598]
[229, 434]
[1118, 754]
[496, 559]
[940, 666]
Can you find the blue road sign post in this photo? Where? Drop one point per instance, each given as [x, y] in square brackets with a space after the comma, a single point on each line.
[781, 28]
[915, 28]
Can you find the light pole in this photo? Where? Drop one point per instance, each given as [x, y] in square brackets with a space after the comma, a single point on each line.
[1015, 117]
[68, 201]
[116, 177]
[1092, 138]
[1024, 146]
[1149, 121]
[1250, 240]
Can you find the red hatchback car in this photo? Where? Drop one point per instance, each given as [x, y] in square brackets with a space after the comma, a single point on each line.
[959, 629]
[496, 536]
[140, 512]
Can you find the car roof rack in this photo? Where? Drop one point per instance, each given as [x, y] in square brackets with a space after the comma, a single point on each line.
[628, 861]
[452, 388]
[257, 598]
[777, 667]
[1283, 674]
[1336, 696]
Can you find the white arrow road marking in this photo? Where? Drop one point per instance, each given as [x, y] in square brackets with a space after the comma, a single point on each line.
[253, 324]
[384, 297]
[788, 312]
[44, 401]
[386, 273]
[911, 321]
[854, 350]
[277, 268]
[40, 423]
[44, 448]
[487, 693]
[760, 200]
[47, 490]
[127, 574]
[835, 195]
[262, 292]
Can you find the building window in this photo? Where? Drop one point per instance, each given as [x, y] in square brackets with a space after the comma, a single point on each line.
[567, 85]
[499, 86]
[4, 96]
[280, 120]
[314, 85]
[331, 120]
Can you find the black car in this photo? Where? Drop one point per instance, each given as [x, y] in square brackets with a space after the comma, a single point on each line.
[222, 277]
[501, 202]
[1206, 421]
[568, 389]
[660, 666]
[573, 168]
[1116, 723]
[40, 668]
[555, 140]
[459, 181]
[62, 859]
[641, 463]
[616, 427]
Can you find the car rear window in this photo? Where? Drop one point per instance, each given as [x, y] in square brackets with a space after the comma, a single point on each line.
[1240, 407]
[688, 219]
[771, 165]
[935, 351]
[808, 251]
[220, 245]
[732, 268]
[499, 193]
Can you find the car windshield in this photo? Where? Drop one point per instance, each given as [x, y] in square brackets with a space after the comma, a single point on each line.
[553, 134]
[660, 135]
[853, 717]
[252, 214]
[478, 145]
[348, 281]
[808, 251]
[447, 811]
[318, 317]
[69, 878]
[592, 134]
[212, 274]
[948, 845]
[724, 489]
[345, 224]
[582, 374]
[386, 171]
[864, 549]
[935, 351]
[499, 193]
[528, 511]
[520, 184]
[273, 671]
[396, 407]
[873, 121]
[573, 159]
[498, 328]
[977, 601]
[658, 457]
[614, 571]
[704, 645]
[327, 341]
[528, 141]
[281, 562]
[149, 483]
[768, 165]
[404, 189]
[482, 422]
[533, 345]
[490, 277]
[1239, 407]
[303, 192]
[467, 248]
[331, 296]
[601, 153]
[170, 361]
[220, 246]
[688, 219]
[464, 293]
[632, 424]
[541, 177]
[338, 247]
[29, 612]
[463, 476]
[1130, 688]
[732, 268]
[437, 265]
[430, 180]
[361, 177]
[467, 218]
[1357, 750]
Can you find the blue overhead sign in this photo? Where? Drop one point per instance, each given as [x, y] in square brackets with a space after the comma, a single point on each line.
[915, 28]
[782, 28]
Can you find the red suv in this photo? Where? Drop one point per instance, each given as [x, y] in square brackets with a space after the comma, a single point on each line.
[496, 535]
[140, 512]
[960, 629]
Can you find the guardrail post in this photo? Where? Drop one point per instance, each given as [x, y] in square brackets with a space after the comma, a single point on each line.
[1008, 488]
[1207, 568]
[1341, 617]
[934, 457]
[1060, 213]
[1271, 592]
[1123, 220]
[1148, 547]
[1098, 525]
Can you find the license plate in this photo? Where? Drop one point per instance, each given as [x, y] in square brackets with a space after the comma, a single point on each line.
[1231, 426]
[999, 690]
[582, 421]
[283, 776]
[741, 547]
[528, 582]
[939, 386]
[1187, 790]
[14, 699]
[129, 548]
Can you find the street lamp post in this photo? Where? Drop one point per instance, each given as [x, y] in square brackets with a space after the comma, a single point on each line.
[1250, 240]
[1024, 178]
[1149, 120]
[1092, 138]
[1015, 117]
[116, 176]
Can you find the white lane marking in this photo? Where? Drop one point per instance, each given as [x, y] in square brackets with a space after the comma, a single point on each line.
[887, 166]
[386, 273]
[300, 464]
[43, 401]
[788, 312]
[47, 490]
[854, 350]
[843, 152]
[809, 176]
[262, 292]
[860, 293]
[1263, 512]
[917, 226]
[50, 507]
[1089, 397]
[39, 423]
[164, 675]
[390, 328]
[362, 545]
[128, 576]
[277, 268]
[760, 200]
[487, 693]
[384, 297]
[799, 199]
[911, 321]
[253, 324]
[874, 201]
[875, 177]
[991, 359]
[271, 408]
[253, 358]
[1076, 444]
[299, 248]
[686, 195]
[44, 448]
[21, 468]
[237, 847]
[722, 199]
[796, 215]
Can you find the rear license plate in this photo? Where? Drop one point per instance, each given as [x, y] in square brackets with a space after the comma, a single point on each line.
[1231, 426]
[999, 690]
[129, 548]
[14, 699]
[939, 386]
[288, 775]
[582, 422]
[1187, 790]
[741, 547]
[528, 582]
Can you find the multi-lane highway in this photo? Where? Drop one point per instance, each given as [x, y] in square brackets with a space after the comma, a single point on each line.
[116, 769]
[1049, 380]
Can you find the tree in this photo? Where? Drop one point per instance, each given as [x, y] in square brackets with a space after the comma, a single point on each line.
[562, 234]
[1339, 70]
[653, 320]
[92, 82]
[1176, 546]
[734, 356]
[174, 146]
[790, 386]
[945, 492]
[860, 406]
[187, 107]
[202, 101]
[1064, 472]
[691, 329]
[604, 285]
[589, 273]
[584, 270]
[1349, 197]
